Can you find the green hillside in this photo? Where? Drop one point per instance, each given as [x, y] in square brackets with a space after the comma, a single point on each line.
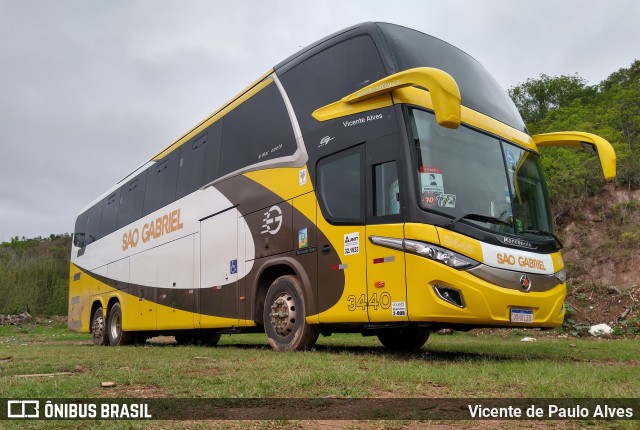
[34, 275]
[610, 109]
[599, 222]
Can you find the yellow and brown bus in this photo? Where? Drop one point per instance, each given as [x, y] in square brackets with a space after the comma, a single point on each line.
[378, 181]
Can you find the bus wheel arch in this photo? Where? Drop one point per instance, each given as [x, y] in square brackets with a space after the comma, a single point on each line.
[268, 274]
[284, 316]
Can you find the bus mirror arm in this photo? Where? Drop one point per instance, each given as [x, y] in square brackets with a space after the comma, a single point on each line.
[443, 89]
[588, 141]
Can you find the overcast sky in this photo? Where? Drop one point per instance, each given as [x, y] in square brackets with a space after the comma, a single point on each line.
[91, 89]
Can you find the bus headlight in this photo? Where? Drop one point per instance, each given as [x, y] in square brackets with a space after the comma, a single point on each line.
[561, 275]
[442, 255]
[424, 249]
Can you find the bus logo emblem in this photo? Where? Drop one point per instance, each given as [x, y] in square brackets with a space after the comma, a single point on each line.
[325, 141]
[525, 283]
[517, 242]
[272, 220]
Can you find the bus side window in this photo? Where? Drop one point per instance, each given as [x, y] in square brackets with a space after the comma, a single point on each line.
[330, 75]
[131, 199]
[161, 183]
[80, 232]
[109, 214]
[190, 167]
[93, 223]
[341, 186]
[199, 160]
[256, 131]
[386, 189]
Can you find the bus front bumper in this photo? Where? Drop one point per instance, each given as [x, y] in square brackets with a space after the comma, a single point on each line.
[439, 294]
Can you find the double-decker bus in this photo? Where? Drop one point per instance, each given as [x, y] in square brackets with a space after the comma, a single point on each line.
[378, 181]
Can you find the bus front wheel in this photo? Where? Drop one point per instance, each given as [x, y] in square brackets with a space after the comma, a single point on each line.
[404, 339]
[118, 337]
[284, 316]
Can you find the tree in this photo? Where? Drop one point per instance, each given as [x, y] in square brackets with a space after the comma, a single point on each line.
[623, 77]
[536, 97]
[610, 109]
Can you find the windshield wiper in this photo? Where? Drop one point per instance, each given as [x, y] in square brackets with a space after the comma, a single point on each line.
[478, 217]
[544, 233]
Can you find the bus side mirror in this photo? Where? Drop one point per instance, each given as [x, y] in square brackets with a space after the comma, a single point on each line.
[587, 141]
[443, 89]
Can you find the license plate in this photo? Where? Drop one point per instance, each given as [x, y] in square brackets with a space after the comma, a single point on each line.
[522, 316]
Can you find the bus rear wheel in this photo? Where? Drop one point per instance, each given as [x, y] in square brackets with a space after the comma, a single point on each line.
[284, 316]
[99, 328]
[404, 339]
[117, 337]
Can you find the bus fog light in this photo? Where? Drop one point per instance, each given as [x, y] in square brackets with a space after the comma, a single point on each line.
[449, 295]
[561, 275]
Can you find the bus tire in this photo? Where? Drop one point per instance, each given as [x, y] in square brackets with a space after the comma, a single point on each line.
[284, 316]
[404, 339]
[209, 339]
[117, 337]
[99, 328]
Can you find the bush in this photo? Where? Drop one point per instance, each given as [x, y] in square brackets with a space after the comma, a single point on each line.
[34, 275]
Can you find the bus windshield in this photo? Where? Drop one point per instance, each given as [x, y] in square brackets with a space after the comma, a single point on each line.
[491, 183]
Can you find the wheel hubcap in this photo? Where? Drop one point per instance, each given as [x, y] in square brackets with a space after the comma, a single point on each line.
[283, 314]
[115, 327]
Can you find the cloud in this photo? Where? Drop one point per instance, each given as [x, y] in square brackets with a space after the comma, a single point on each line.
[90, 90]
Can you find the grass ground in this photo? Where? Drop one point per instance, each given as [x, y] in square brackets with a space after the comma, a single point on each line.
[461, 365]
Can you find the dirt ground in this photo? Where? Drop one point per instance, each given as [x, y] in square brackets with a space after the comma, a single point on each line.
[609, 305]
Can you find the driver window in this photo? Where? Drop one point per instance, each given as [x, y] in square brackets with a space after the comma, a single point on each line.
[386, 189]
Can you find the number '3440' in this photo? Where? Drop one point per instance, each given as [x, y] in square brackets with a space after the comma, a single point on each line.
[383, 301]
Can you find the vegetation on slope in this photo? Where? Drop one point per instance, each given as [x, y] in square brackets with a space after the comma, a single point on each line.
[34, 275]
[599, 223]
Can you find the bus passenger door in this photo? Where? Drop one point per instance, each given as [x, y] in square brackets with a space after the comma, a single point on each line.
[386, 285]
[219, 270]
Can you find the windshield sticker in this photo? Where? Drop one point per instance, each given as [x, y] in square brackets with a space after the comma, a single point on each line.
[511, 159]
[431, 180]
[429, 199]
[446, 200]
